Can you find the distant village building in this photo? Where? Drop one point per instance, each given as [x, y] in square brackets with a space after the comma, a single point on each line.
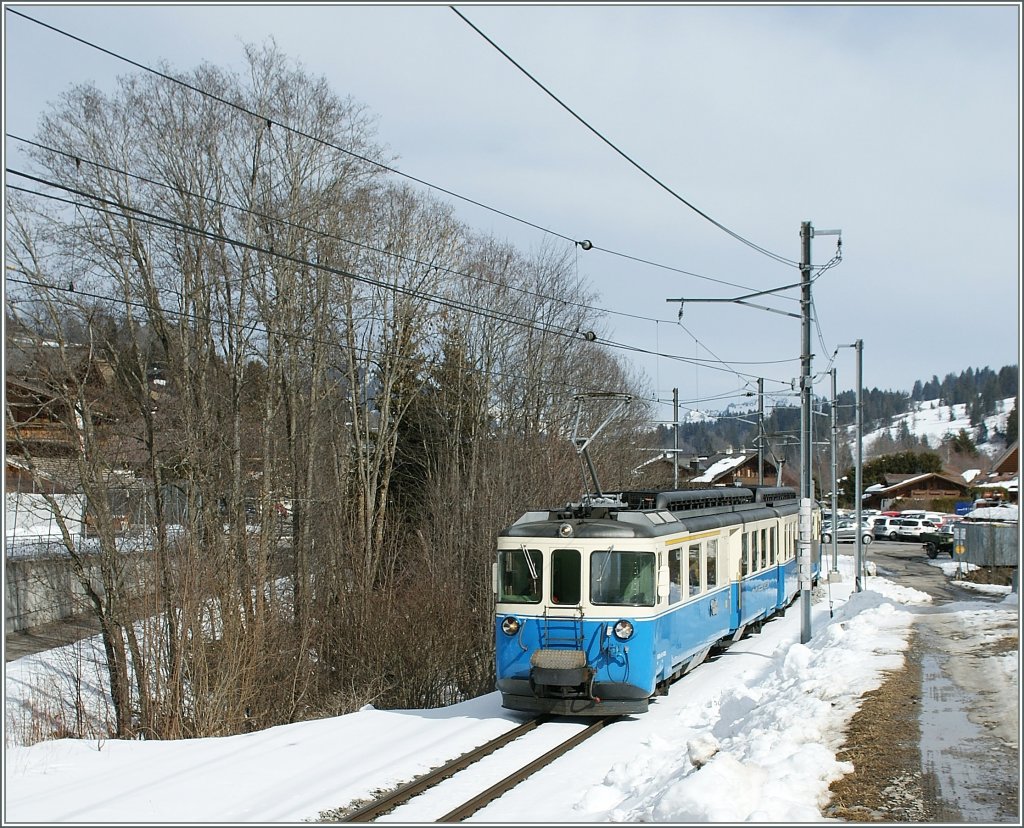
[916, 489]
[725, 469]
[1002, 480]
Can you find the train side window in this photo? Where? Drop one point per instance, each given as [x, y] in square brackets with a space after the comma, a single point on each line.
[622, 578]
[764, 548]
[754, 554]
[694, 568]
[743, 555]
[675, 575]
[712, 565]
[521, 572]
[566, 574]
[771, 549]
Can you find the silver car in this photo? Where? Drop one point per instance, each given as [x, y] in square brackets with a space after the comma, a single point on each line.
[846, 530]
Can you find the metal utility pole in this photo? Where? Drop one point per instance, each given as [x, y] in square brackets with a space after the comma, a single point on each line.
[835, 505]
[804, 535]
[805, 542]
[675, 442]
[834, 576]
[858, 498]
[760, 431]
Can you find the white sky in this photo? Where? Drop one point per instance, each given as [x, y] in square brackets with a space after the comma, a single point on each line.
[899, 125]
[764, 721]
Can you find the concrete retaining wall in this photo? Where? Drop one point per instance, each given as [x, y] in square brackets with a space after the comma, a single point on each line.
[44, 588]
[40, 590]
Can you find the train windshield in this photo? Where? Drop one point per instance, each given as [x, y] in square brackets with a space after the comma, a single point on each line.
[622, 578]
[565, 576]
[521, 571]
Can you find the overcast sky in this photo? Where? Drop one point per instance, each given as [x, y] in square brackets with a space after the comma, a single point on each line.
[899, 125]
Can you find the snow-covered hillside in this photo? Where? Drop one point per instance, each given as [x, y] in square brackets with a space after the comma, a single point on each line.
[934, 421]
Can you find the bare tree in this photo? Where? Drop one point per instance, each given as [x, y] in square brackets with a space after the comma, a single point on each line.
[323, 339]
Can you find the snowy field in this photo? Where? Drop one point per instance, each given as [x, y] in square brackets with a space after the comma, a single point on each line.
[751, 736]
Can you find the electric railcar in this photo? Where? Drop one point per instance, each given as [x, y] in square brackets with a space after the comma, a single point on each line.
[601, 605]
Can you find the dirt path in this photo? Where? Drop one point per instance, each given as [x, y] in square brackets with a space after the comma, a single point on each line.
[936, 742]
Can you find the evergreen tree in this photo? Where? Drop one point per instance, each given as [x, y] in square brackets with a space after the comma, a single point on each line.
[963, 444]
[1007, 381]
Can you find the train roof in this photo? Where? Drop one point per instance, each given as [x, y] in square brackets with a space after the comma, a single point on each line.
[649, 513]
[603, 524]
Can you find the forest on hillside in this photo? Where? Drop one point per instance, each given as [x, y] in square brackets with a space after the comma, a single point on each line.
[979, 389]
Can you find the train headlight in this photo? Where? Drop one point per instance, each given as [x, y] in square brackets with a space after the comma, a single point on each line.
[510, 625]
[565, 530]
[623, 630]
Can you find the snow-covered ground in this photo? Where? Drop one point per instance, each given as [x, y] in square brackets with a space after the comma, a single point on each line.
[751, 736]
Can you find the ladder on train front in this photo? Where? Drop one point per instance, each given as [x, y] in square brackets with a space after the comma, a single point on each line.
[561, 632]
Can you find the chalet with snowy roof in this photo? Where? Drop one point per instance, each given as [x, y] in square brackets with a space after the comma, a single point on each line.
[739, 469]
[920, 489]
[696, 471]
[1001, 482]
[659, 470]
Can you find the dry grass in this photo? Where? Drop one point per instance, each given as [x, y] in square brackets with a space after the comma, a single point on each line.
[883, 743]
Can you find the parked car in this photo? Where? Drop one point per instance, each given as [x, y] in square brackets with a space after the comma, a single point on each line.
[846, 530]
[921, 514]
[885, 528]
[913, 528]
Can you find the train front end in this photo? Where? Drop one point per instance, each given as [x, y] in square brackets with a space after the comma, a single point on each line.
[574, 621]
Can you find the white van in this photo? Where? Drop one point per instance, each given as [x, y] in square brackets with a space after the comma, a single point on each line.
[912, 528]
[921, 514]
[886, 527]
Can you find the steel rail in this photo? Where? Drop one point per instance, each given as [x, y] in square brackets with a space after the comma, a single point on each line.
[421, 783]
[476, 803]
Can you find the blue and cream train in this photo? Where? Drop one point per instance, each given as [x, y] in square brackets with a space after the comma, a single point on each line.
[601, 605]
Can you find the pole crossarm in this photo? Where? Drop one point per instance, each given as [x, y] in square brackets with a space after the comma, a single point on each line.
[741, 300]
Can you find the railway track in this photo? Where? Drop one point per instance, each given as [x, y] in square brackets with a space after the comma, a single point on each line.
[402, 794]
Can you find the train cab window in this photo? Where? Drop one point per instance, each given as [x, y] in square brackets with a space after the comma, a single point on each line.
[521, 571]
[744, 568]
[675, 575]
[712, 565]
[694, 569]
[622, 578]
[566, 574]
